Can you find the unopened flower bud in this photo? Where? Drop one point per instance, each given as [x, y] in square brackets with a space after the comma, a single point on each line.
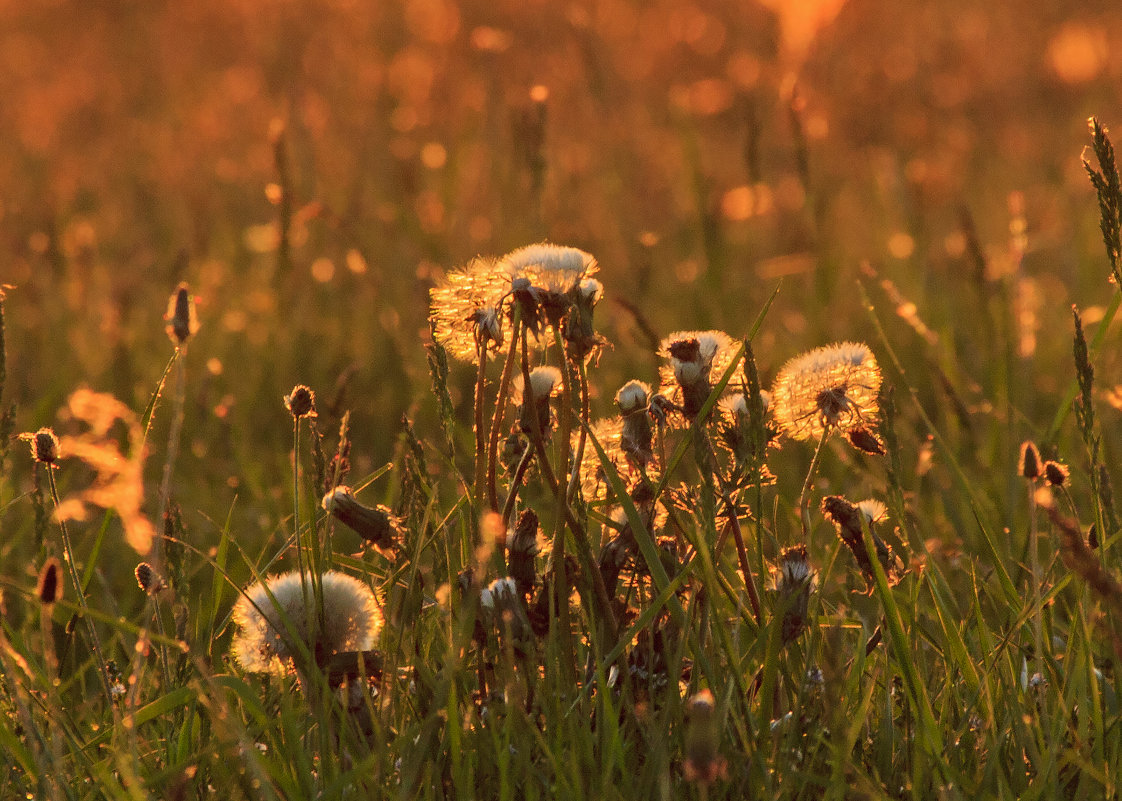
[374, 524]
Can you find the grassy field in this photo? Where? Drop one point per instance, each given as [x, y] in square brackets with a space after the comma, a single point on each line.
[527, 400]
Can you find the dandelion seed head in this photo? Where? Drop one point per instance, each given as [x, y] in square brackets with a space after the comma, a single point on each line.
[591, 291]
[351, 619]
[500, 592]
[794, 568]
[543, 382]
[464, 307]
[609, 433]
[873, 510]
[693, 359]
[835, 386]
[550, 268]
[735, 406]
[633, 396]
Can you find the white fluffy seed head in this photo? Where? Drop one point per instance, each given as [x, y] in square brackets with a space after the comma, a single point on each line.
[633, 396]
[543, 381]
[268, 631]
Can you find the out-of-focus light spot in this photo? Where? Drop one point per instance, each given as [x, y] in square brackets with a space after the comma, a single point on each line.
[710, 96]
[38, 242]
[1077, 52]
[539, 93]
[954, 244]
[737, 203]
[648, 239]
[261, 238]
[789, 264]
[1092, 315]
[789, 193]
[274, 193]
[214, 365]
[743, 69]
[480, 228]
[817, 126]
[901, 245]
[235, 320]
[355, 262]
[687, 271]
[433, 155]
[233, 482]
[435, 21]
[390, 320]
[323, 269]
[491, 40]
[427, 270]
[430, 211]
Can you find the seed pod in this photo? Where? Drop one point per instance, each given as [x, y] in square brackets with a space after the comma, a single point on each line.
[374, 524]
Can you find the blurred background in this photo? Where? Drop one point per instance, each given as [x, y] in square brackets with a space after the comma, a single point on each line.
[702, 151]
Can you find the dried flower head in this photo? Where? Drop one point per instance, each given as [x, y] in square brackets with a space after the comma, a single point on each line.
[850, 520]
[44, 446]
[1029, 465]
[351, 620]
[148, 579]
[633, 396]
[1056, 473]
[580, 336]
[864, 440]
[833, 387]
[464, 308]
[375, 524]
[524, 544]
[301, 402]
[181, 318]
[793, 588]
[543, 382]
[694, 358]
[49, 586]
[704, 763]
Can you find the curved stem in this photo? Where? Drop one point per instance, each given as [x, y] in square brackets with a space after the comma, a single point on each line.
[804, 496]
[515, 484]
[480, 433]
[574, 477]
[174, 435]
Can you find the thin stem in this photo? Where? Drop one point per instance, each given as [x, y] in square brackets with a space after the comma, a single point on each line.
[515, 484]
[174, 436]
[742, 555]
[582, 440]
[500, 412]
[480, 433]
[92, 630]
[1034, 566]
[804, 496]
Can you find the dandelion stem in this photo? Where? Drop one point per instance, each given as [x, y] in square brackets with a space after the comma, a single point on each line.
[804, 496]
[578, 459]
[92, 630]
[742, 555]
[515, 484]
[500, 412]
[480, 433]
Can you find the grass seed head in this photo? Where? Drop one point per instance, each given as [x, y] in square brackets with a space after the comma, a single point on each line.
[1030, 465]
[148, 579]
[181, 318]
[1056, 474]
[44, 446]
[49, 587]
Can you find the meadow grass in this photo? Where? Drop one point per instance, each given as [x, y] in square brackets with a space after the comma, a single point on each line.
[894, 576]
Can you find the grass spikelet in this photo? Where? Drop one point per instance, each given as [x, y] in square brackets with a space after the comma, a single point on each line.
[1109, 190]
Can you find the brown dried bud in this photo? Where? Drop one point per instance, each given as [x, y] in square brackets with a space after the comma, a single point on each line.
[1056, 474]
[44, 446]
[375, 524]
[182, 322]
[148, 579]
[1029, 464]
[301, 402]
[49, 587]
[794, 590]
[865, 440]
[523, 549]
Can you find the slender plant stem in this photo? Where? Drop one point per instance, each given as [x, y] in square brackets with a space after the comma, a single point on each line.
[515, 484]
[500, 412]
[1036, 578]
[742, 555]
[804, 496]
[95, 643]
[480, 432]
[582, 440]
[174, 436]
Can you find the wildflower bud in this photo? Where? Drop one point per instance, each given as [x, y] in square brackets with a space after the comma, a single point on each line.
[703, 763]
[794, 590]
[577, 328]
[523, 548]
[847, 518]
[148, 579]
[543, 380]
[501, 599]
[636, 436]
[1029, 465]
[49, 586]
[866, 441]
[374, 524]
[301, 402]
[693, 355]
[1056, 474]
[44, 446]
[182, 321]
